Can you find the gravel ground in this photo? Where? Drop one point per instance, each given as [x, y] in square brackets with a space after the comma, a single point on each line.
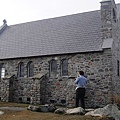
[13, 108]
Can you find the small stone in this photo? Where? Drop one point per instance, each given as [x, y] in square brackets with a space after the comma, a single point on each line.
[1, 112]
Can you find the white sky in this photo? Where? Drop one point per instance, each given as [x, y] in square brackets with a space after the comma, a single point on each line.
[20, 11]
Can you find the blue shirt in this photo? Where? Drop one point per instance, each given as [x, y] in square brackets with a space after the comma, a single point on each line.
[81, 82]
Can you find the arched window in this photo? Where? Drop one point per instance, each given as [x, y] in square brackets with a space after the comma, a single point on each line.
[21, 69]
[118, 68]
[114, 15]
[53, 66]
[64, 67]
[30, 69]
[2, 71]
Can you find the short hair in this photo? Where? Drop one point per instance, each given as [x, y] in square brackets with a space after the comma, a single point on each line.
[81, 72]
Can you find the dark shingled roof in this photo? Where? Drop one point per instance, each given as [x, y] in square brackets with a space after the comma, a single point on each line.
[61, 35]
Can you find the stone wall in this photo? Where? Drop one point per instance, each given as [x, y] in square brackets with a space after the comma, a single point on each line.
[27, 91]
[106, 22]
[4, 90]
[43, 88]
[110, 28]
[98, 69]
[116, 58]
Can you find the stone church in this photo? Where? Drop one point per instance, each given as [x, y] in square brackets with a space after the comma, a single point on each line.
[39, 60]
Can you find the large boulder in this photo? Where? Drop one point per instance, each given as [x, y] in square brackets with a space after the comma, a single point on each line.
[42, 108]
[72, 111]
[51, 107]
[78, 110]
[48, 108]
[111, 110]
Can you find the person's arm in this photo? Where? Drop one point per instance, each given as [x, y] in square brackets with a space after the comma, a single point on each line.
[76, 81]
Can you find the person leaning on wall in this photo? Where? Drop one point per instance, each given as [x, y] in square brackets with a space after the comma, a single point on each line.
[81, 82]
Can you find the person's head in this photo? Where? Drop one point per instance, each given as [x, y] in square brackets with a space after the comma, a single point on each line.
[81, 73]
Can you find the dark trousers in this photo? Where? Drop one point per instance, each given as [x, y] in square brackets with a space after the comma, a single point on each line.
[80, 95]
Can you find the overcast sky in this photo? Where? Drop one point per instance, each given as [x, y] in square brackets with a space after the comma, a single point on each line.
[20, 11]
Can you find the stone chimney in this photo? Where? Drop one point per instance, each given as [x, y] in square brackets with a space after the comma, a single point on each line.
[108, 18]
[4, 21]
[2, 28]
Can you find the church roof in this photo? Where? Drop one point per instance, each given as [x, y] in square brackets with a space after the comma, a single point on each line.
[62, 35]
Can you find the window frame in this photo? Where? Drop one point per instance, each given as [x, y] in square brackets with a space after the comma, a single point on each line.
[53, 66]
[63, 67]
[2, 71]
[21, 69]
[114, 15]
[30, 72]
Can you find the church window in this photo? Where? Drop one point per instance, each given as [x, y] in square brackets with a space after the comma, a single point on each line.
[21, 69]
[114, 15]
[64, 67]
[2, 71]
[53, 66]
[30, 69]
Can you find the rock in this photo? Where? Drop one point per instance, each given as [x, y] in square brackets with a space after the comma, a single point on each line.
[51, 108]
[42, 108]
[1, 112]
[48, 108]
[34, 108]
[29, 107]
[88, 110]
[93, 114]
[78, 110]
[111, 110]
[60, 111]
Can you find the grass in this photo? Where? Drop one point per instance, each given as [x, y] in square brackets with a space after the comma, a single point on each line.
[9, 104]
[29, 115]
